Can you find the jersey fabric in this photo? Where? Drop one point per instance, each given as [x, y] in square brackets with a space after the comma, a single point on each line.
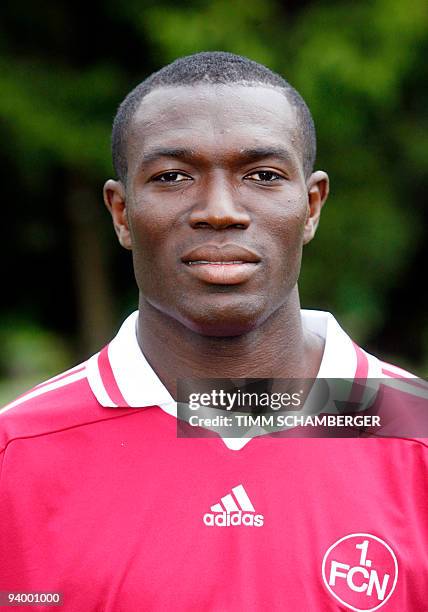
[103, 503]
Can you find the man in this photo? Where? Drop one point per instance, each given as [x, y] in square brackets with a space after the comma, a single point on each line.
[101, 501]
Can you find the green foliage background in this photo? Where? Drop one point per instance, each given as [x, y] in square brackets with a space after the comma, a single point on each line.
[64, 69]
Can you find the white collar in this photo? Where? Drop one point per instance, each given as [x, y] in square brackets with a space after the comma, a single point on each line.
[120, 375]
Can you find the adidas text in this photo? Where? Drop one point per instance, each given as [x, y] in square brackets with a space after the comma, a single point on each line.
[232, 519]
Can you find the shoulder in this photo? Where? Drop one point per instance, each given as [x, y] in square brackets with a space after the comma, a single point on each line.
[403, 384]
[60, 403]
[399, 398]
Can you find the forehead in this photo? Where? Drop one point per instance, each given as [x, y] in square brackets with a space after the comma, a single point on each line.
[213, 119]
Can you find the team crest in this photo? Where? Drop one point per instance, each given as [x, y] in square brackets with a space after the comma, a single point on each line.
[361, 571]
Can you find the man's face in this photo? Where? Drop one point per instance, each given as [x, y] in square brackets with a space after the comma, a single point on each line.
[216, 207]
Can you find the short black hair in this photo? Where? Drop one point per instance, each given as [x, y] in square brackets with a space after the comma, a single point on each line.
[211, 67]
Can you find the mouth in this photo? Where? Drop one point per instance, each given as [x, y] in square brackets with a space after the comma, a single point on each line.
[214, 263]
[226, 265]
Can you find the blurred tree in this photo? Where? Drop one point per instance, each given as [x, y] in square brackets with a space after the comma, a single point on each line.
[57, 110]
[364, 55]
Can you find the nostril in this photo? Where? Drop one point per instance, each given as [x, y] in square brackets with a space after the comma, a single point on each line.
[204, 224]
[217, 218]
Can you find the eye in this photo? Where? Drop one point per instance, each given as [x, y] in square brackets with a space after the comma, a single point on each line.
[171, 177]
[264, 176]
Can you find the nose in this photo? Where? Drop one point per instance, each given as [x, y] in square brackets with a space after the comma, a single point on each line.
[218, 208]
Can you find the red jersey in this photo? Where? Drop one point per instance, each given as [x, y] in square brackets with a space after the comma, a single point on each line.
[103, 503]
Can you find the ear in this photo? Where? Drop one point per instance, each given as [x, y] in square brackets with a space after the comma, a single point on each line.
[318, 188]
[114, 199]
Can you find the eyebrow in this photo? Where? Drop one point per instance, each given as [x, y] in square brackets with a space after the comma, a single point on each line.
[246, 155]
[159, 152]
[254, 154]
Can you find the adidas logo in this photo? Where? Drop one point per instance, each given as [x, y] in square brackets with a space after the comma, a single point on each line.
[234, 509]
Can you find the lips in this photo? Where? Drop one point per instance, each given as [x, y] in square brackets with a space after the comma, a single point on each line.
[220, 255]
[229, 264]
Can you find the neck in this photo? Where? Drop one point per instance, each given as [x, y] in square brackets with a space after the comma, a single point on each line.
[279, 348]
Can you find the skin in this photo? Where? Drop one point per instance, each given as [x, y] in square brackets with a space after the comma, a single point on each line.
[234, 174]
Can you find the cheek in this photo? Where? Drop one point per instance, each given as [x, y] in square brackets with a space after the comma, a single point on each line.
[285, 223]
[149, 230]
[154, 249]
[285, 233]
